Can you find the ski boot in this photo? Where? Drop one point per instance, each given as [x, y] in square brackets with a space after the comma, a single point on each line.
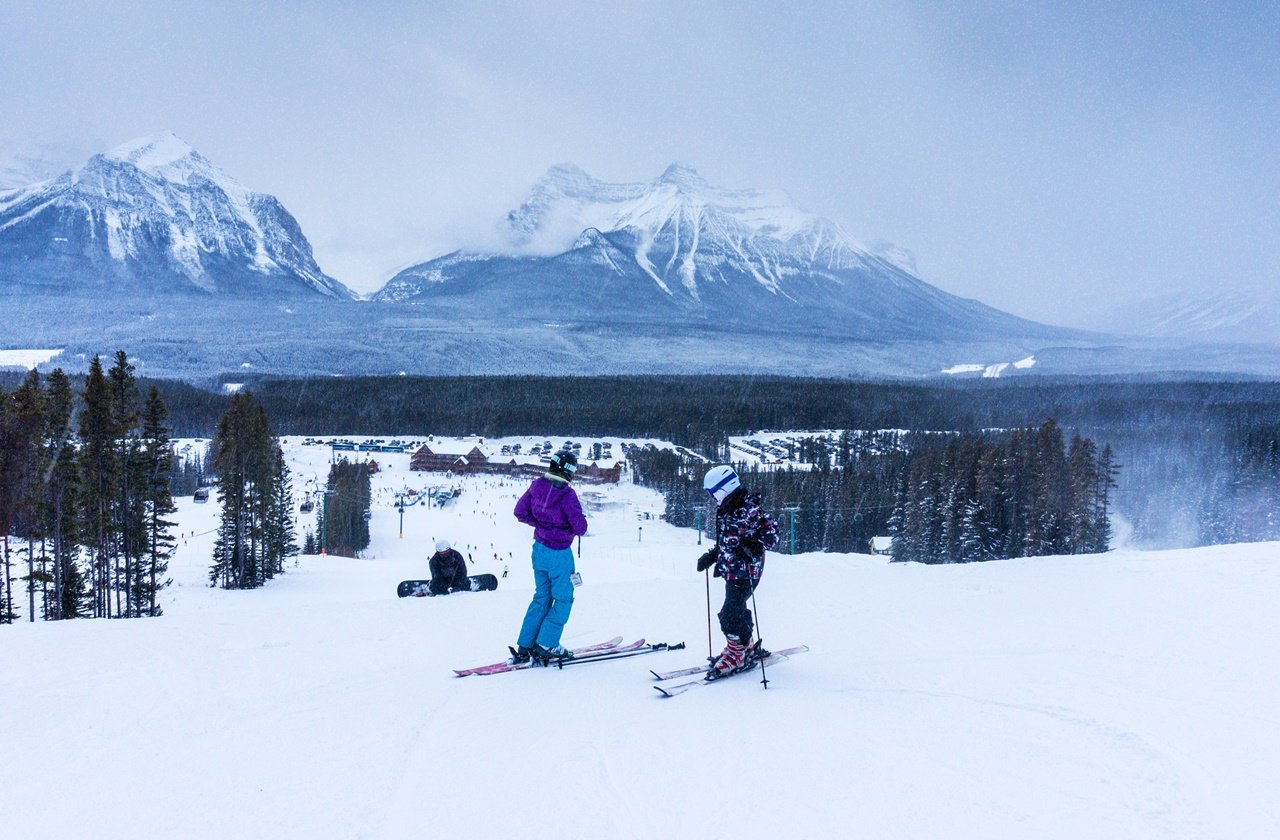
[730, 660]
[755, 652]
[520, 655]
[550, 655]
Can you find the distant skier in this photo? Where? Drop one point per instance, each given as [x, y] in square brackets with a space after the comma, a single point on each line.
[551, 506]
[743, 532]
[448, 570]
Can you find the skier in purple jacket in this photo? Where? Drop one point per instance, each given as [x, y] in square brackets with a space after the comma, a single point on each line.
[552, 508]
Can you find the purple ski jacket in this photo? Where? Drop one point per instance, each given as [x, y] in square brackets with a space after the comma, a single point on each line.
[552, 508]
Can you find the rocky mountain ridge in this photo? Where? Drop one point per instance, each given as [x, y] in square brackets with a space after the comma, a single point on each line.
[154, 217]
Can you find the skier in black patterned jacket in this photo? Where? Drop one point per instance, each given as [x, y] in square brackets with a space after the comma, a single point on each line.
[743, 531]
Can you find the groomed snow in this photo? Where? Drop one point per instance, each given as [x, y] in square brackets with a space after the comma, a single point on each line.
[1128, 695]
[967, 368]
[27, 358]
[992, 371]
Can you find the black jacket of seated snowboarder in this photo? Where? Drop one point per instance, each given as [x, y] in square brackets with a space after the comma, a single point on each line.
[448, 571]
[743, 532]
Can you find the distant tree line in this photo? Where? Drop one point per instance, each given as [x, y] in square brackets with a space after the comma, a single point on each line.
[696, 410]
[1242, 503]
[1188, 477]
[192, 472]
[1026, 494]
[838, 504]
[86, 495]
[943, 498]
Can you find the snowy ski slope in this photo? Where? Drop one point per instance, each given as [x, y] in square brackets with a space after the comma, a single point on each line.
[1128, 695]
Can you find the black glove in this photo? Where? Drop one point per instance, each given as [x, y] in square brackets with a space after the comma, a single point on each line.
[705, 561]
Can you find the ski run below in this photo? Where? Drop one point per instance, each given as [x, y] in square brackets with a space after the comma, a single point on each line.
[1126, 695]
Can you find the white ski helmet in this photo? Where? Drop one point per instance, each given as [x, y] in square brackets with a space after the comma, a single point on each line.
[442, 545]
[720, 481]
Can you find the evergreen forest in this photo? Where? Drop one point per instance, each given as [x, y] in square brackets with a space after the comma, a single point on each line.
[84, 495]
[942, 498]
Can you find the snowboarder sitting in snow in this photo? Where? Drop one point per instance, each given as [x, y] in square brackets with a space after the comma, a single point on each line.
[743, 532]
[448, 570]
[553, 509]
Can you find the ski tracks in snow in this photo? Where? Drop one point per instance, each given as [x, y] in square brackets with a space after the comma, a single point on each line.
[1156, 790]
[426, 772]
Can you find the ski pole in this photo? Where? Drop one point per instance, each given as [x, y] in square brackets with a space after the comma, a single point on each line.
[764, 678]
[707, 574]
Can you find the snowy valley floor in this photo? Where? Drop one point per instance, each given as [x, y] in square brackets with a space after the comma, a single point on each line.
[1128, 695]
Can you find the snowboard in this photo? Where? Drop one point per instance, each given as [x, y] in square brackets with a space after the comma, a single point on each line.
[479, 583]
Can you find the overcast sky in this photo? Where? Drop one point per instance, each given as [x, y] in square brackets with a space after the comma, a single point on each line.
[1047, 159]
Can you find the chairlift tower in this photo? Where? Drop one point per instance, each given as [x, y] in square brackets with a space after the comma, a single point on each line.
[793, 511]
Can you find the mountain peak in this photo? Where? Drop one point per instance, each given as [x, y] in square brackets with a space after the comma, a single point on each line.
[681, 227]
[154, 153]
[567, 172]
[681, 175]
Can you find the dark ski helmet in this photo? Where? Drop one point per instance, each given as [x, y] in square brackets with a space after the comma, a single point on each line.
[563, 465]
[719, 482]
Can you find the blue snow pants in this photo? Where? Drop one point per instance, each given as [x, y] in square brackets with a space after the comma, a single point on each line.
[552, 597]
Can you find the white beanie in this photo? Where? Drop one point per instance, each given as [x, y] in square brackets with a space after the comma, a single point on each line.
[442, 545]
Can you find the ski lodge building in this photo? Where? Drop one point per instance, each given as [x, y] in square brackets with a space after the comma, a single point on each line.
[477, 461]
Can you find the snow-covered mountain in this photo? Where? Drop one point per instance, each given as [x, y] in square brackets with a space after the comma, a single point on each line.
[152, 249]
[18, 169]
[1234, 315]
[154, 217]
[679, 248]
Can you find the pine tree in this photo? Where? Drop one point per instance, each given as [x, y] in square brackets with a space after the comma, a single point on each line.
[1049, 491]
[1082, 461]
[21, 425]
[10, 456]
[281, 536]
[975, 534]
[128, 514]
[157, 461]
[1106, 472]
[346, 518]
[29, 410]
[247, 463]
[60, 501]
[99, 478]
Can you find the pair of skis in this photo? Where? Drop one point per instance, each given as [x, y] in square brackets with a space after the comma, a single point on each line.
[674, 685]
[612, 649]
[673, 682]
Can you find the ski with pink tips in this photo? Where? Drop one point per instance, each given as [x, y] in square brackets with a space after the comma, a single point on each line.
[702, 669]
[502, 667]
[674, 688]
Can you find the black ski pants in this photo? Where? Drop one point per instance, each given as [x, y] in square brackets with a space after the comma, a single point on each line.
[735, 617]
